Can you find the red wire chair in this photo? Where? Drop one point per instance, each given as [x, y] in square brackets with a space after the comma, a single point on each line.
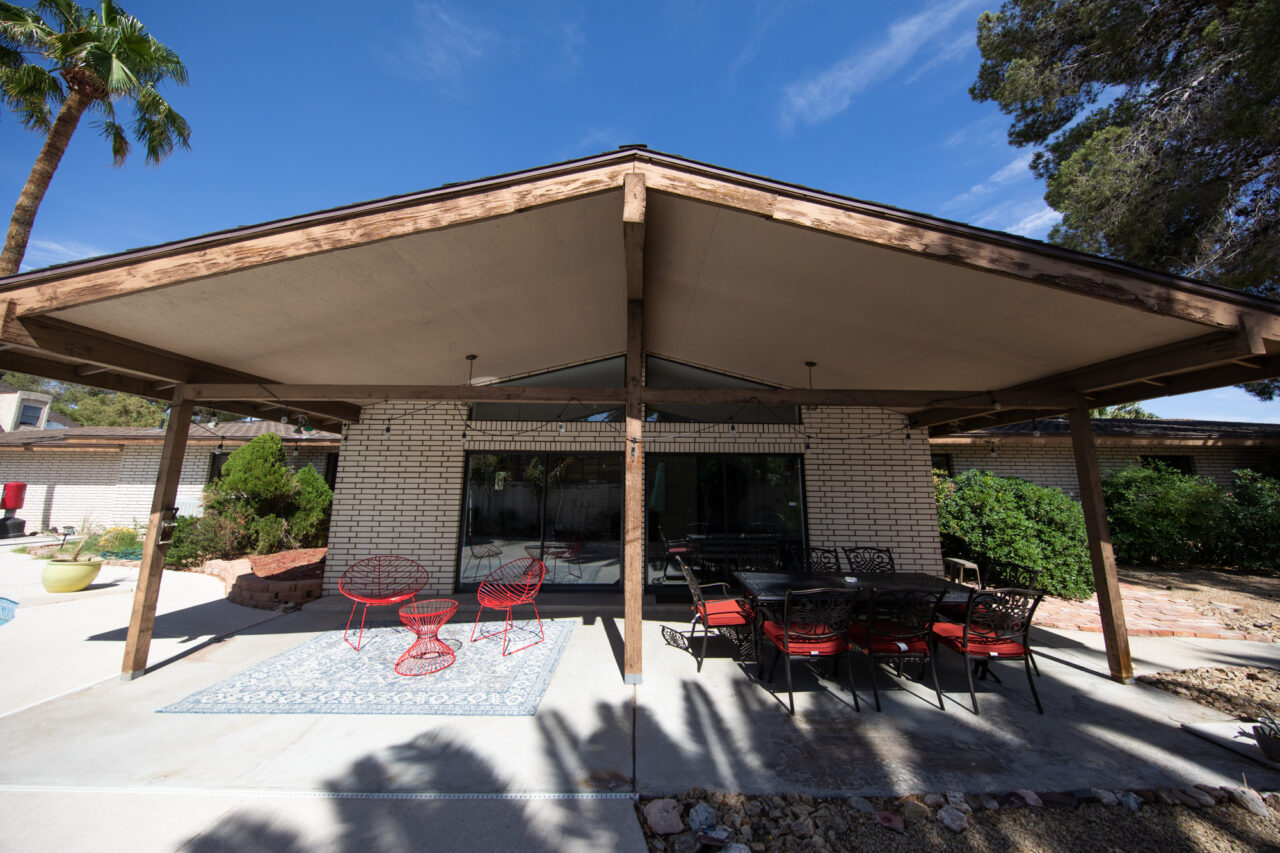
[508, 586]
[377, 582]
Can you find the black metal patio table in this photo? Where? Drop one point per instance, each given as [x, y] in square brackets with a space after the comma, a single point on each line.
[768, 590]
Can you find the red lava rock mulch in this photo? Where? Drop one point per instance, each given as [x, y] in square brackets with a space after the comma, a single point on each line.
[299, 564]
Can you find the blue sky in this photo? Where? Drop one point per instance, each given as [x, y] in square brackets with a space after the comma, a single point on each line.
[297, 107]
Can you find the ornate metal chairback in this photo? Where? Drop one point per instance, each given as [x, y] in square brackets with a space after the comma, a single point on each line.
[869, 561]
[902, 614]
[998, 615]
[758, 558]
[819, 561]
[695, 588]
[517, 581]
[385, 576]
[814, 615]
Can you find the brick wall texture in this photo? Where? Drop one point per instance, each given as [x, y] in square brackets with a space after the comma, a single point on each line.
[1052, 463]
[110, 488]
[401, 491]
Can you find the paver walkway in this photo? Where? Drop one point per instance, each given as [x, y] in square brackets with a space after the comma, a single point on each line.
[1147, 613]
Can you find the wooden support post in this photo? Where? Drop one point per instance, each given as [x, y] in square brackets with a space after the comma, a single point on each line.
[633, 229]
[1114, 632]
[143, 618]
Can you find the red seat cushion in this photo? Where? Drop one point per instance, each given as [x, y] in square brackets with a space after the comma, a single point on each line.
[832, 646]
[878, 645]
[952, 634]
[725, 611]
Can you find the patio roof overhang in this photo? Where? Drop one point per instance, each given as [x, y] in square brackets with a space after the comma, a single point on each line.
[956, 326]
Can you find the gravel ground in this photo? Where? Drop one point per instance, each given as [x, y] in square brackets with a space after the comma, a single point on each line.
[802, 824]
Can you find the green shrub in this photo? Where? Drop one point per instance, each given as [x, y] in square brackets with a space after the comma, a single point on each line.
[1254, 514]
[268, 535]
[309, 523]
[255, 476]
[185, 549]
[1162, 517]
[1019, 533]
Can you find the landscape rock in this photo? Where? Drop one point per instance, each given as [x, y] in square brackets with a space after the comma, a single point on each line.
[989, 802]
[953, 819]
[889, 820]
[959, 802]
[1249, 799]
[934, 801]
[1030, 797]
[1201, 797]
[1185, 799]
[702, 816]
[686, 842]
[862, 804]
[1218, 794]
[1165, 796]
[1106, 797]
[737, 848]
[1129, 800]
[915, 811]
[663, 817]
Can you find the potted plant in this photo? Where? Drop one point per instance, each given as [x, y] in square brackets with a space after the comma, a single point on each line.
[68, 572]
[1267, 734]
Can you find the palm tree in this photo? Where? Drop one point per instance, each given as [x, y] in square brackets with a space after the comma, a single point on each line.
[101, 57]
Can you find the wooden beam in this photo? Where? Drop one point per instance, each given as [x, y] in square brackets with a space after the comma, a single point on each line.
[1105, 580]
[1158, 367]
[275, 242]
[143, 618]
[91, 369]
[1154, 293]
[558, 394]
[21, 361]
[1266, 367]
[633, 484]
[633, 226]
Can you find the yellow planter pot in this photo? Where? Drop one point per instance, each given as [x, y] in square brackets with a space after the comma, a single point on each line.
[69, 575]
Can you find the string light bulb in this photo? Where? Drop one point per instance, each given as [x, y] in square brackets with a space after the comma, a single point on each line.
[1035, 428]
[560, 427]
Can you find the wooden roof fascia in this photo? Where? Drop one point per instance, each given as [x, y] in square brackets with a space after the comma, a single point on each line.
[295, 239]
[964, 440]
[91, 448]
[1152, 293]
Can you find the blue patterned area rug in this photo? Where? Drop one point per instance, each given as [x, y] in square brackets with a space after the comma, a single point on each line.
[326, 676]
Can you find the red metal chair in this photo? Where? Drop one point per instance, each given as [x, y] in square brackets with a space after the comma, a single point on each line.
[378, 582]
[714, 613]
[508, 586]
[815, 623]
[899, 625]
[996, 627]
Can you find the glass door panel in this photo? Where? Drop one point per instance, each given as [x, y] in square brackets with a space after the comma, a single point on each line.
[584, 519]
[502, 512]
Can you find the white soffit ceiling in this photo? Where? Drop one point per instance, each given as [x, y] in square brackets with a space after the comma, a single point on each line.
[738, 291]
[540, 287]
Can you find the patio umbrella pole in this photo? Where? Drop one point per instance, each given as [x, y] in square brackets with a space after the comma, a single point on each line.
[1101, 554]
[142, 619]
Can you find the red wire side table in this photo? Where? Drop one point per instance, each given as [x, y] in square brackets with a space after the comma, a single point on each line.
[428, 653]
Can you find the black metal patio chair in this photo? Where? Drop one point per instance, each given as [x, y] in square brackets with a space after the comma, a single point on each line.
[815, 624]
[898, 625]
[869, 561]
[719, 613]
[818, 561]
[997, 626]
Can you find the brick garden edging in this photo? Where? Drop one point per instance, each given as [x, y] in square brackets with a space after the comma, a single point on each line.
[244, 587]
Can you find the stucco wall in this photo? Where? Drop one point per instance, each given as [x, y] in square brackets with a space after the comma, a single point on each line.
[865, 482]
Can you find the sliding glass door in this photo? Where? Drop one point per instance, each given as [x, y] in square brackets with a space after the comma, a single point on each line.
[563, 508]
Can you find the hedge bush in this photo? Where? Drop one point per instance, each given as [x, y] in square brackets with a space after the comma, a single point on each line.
[1020, 534]
[256, 506]
[1159, 516]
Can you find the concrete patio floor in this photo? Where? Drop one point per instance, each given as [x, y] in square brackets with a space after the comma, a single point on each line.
[87, 756]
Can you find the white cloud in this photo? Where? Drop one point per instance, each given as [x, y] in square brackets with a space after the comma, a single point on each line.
[956, 50]
[830, 92]
[749, 51]
[44, 253]
[1035, 225]
[444, 45]
[1011, 171]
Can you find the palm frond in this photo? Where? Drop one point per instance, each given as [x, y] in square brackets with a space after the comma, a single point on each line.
[68, 15]
[31, 92]
[23, 28]
[158, 126]
[114, 133]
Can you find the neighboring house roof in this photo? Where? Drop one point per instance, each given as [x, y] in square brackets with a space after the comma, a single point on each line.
[1155, 431]
[234, 434]
[57, 420]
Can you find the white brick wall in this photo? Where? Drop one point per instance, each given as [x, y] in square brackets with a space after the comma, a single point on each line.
[402, 492]
[109, 488]
[1052, 463]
